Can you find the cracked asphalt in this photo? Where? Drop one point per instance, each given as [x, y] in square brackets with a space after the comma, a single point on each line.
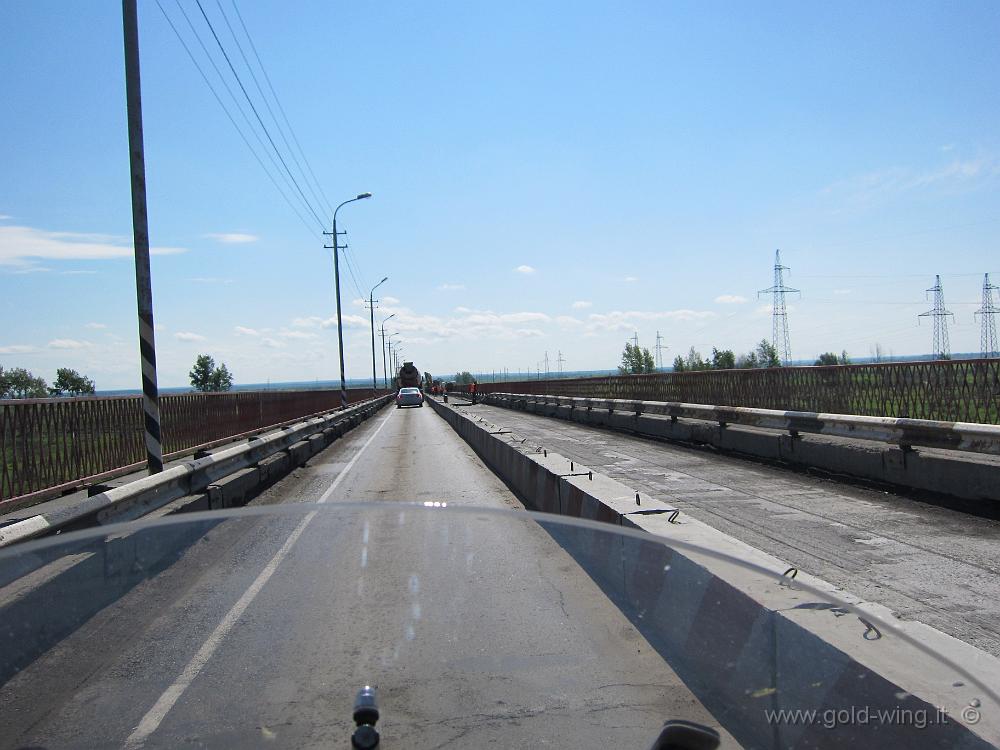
[926, 562]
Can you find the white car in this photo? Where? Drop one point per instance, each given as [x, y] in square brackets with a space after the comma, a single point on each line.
[409, 397]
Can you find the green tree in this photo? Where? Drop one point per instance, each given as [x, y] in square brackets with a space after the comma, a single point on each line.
[222, 379]
[464, 378]
[679, 363]
[844, 359]
[19, 383]
[648, 363]
[747, 361]
[694, 362]
[69, 382]
[201, 373]
[767, 355]
[206, 377]
[723, 360]
[827, 358]
[636, 360]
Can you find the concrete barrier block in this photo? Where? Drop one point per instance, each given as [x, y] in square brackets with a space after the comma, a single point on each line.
[237, 488]
[316, 443]
[299, 453]
[273, 467]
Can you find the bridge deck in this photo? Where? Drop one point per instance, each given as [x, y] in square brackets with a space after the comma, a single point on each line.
[288, 668]
[923, 561]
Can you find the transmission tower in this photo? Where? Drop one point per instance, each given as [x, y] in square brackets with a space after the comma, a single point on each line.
[635, 339]
[659, 351]
[988, 336]
[560, 361]
[546, 360]
[942, 347]
[779, 315]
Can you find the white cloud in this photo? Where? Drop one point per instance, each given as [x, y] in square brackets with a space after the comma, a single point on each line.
[22, 246]
[625, 321]
[300, 335]
[451, 287]
[210, 280]
[389, 300]
[314, 321]
[525, 269]
[630, 279]
[948, 147]
[95, 326]
[730, 299]
[232, 238]
[188, 336]
[4, 217]
[568, 321]
[17, 349]
[841, 291]
[244, 331]
[68, 344]
[582, 305]
[271, 343]
[77, 273]
[886, 183]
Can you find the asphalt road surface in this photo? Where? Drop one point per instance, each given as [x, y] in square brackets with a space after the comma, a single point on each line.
[925, 562]
[476, 630]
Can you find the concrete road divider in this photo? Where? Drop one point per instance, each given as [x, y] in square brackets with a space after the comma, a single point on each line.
[750, 642]
[226, 476]
[960, 462]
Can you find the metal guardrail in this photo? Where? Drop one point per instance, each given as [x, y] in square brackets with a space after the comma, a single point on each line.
[961, 390]
[49, 446]
[154, 491]
[907, 433]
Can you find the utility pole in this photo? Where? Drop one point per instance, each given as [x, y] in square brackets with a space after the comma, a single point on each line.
[560, 361]
[942, 347]
[635, 340]
[336, 275]
[546, 360]
[779, 314]
[371, 309]
[988, 334]
[140, 236]
[659, 351]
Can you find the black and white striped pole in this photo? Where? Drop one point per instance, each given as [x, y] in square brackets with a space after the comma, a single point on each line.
[336, 275]
[140, 232]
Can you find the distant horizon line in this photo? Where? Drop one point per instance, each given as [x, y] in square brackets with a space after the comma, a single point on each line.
[312, 385]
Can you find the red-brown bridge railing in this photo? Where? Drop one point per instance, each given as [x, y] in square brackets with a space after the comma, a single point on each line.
[51, 445]
[965, 390]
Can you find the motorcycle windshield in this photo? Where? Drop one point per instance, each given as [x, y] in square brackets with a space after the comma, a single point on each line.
[257, 627]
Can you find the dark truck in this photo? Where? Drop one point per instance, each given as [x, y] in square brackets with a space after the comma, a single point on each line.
[409, 376]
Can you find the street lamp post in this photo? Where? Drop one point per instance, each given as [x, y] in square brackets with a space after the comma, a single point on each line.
[385, 372]
[371, 309]
[336, 276]
[388, 338]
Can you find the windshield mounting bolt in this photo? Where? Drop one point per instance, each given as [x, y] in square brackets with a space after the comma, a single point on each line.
[673, 517]
[637, 499]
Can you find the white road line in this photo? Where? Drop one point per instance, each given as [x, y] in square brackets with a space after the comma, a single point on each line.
[158, 712]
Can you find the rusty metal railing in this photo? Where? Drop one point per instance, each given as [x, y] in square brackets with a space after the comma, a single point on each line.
[51, 445]
[946, 390]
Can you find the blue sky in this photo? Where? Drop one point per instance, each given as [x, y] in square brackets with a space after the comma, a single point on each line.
[547, 177]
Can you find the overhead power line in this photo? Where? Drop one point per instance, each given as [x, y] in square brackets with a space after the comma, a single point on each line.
[253, 108]
[204, 76]
[267, 79]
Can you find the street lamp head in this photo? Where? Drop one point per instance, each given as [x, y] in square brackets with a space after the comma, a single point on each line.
[362, 196]
[384, 280]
